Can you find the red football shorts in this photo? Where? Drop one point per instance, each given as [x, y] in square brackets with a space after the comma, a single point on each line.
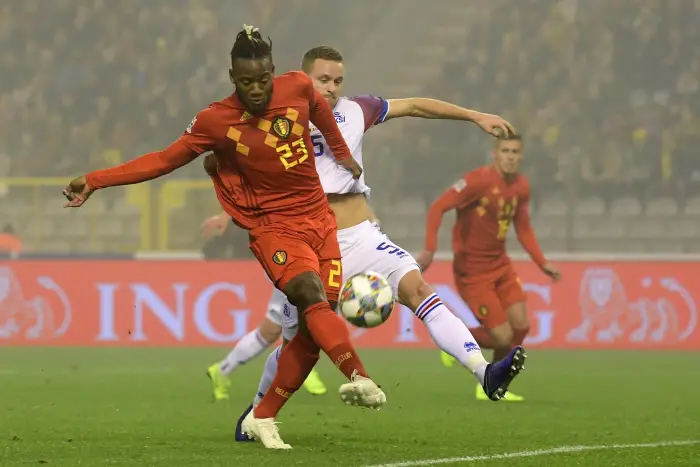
[489, 295]
[285, 251]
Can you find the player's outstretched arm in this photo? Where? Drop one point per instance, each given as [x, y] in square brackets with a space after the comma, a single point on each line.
[526, 237]
[435, 109]
[141, 169]
[462, 193]
[199, 138]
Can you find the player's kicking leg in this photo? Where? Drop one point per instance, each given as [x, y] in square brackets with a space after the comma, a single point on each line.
[298, 271]
[516, 329]
[494, 297]
[369, 249]
[251, 345]
[453, 337]
[290, 326]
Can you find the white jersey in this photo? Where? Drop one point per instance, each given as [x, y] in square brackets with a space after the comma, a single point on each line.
[354, 117]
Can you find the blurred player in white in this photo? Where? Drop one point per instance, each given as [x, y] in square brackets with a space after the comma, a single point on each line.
[363, 246]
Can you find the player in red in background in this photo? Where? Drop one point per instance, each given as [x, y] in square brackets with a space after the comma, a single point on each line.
[267, 183]
[487, 200]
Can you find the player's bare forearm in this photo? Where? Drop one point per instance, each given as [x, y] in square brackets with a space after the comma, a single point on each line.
[422, 107]
[143, 168]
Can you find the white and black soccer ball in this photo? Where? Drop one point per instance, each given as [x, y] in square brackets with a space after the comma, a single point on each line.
[366, 300]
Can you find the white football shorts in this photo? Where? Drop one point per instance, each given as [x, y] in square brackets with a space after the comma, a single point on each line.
[363, 247]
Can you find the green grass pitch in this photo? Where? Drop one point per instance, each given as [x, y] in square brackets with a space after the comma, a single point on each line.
[152, 407]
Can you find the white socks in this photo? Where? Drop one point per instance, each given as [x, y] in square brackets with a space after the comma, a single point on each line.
[452, 335]
[268, 374]
[249, 347]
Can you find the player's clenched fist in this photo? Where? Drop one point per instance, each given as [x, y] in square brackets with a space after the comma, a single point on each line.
[211, 165]
[77, 192]
[352, 165]
[425, 259]
[216, 225]
[552, 272]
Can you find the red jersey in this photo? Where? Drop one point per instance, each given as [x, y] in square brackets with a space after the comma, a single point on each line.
[266, 173]
[486, 206]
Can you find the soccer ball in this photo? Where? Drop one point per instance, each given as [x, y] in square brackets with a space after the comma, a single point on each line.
[366, 300]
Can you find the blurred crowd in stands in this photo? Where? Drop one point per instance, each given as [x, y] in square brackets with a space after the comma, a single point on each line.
[606, 93]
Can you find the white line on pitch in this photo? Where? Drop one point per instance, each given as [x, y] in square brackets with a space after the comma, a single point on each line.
[538, 452]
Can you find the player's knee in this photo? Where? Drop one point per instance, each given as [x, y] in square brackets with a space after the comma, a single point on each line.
[413, 289]
[502, 336]
[517, 316]
[305, 290]
[270, 331]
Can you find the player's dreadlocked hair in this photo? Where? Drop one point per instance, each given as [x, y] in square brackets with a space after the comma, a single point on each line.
[250, 45]
[322, 52]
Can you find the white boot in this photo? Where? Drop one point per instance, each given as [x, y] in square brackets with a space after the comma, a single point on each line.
[363, 392]
[265, 430]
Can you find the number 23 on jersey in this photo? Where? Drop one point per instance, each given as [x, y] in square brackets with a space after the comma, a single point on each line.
[293, 154]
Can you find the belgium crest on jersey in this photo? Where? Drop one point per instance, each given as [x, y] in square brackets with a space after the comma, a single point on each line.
[280, 257]
[282, 127]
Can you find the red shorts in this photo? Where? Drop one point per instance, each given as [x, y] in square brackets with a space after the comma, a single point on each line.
[285, 251]
[489, 295]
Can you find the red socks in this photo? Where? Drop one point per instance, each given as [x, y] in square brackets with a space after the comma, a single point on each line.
[331, 334]
[299, 356]
[296, 361]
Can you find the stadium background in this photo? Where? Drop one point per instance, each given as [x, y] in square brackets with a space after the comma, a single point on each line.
[605, 94]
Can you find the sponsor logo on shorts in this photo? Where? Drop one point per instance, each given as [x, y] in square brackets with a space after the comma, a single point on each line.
[282, 127]
[392, 249]
[280, 257]
[483, 311]
[286, 310]
[471, 346]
